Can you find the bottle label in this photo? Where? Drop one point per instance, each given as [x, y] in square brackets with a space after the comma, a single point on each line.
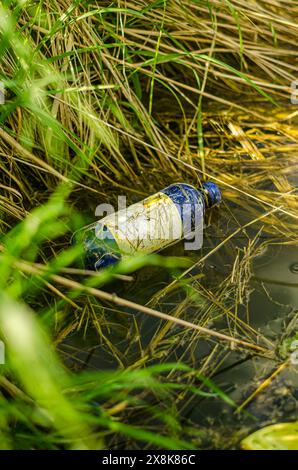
[146, 226]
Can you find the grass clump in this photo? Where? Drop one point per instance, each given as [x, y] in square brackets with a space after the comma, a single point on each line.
[109, 98]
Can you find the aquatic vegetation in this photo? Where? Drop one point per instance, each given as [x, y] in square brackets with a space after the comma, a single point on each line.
[124, 98]
[283, 436]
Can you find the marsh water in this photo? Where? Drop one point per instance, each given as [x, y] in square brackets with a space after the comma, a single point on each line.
[270, 308]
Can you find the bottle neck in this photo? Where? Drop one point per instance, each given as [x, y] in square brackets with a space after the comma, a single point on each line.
[212, 194]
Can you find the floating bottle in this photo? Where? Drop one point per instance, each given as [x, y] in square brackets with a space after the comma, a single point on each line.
[174, 213]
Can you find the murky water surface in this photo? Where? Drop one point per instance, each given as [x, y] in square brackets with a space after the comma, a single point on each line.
[272, 310]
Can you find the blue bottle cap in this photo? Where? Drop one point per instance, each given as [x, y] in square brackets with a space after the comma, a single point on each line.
[213, 193]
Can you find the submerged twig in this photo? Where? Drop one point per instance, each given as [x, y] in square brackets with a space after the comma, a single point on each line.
[263, 386]
[100, 294]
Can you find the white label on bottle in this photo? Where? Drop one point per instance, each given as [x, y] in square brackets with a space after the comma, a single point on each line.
[146, 226]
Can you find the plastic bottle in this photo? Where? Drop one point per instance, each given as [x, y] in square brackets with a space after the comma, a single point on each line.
[148, 226]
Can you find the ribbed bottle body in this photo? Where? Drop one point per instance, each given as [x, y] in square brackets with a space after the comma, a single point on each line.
[145, 227]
